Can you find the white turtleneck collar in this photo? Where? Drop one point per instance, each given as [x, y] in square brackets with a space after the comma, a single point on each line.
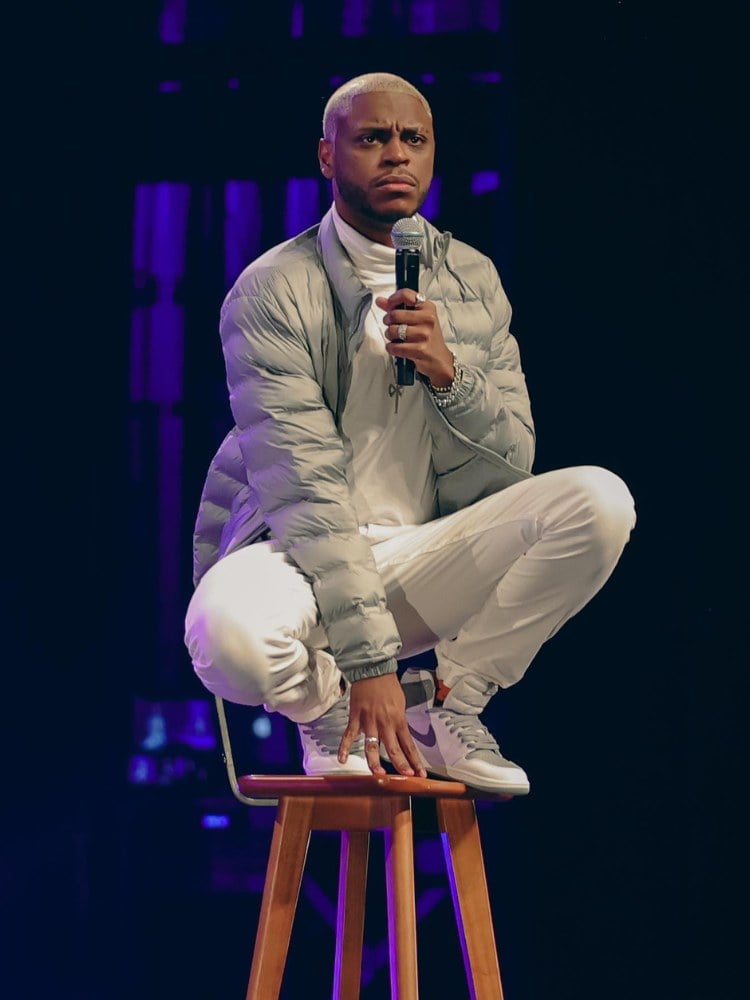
[386, 431]
[370, 259]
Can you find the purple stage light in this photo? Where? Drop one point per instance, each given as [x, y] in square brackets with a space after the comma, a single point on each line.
[142, 770]
[172, 22]
[297, 27]
[160, 724]
[354, 18]
[484, 181]
[243, 220]
[302, 207]
[431, 207]
[213, 821]
[486, 76]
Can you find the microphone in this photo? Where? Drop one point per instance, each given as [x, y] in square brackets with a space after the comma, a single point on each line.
[407, 239]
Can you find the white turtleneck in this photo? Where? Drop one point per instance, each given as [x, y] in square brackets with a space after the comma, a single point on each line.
[391, 478]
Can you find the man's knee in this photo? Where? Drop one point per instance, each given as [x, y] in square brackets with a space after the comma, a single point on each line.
[233, 657]
[608, 504]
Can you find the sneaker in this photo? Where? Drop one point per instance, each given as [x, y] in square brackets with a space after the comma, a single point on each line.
[451, 739]
[320, 741]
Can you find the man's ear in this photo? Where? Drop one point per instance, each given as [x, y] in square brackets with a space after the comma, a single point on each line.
[325, 158]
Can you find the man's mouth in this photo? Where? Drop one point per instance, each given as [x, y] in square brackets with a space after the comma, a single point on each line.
[396, 182]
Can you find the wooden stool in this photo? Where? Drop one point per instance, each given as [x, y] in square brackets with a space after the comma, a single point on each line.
[356, 805]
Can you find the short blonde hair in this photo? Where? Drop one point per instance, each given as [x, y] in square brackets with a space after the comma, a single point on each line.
[339, 103]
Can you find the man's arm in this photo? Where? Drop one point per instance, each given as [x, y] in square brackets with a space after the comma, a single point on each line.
[296, 462]
[491, 405]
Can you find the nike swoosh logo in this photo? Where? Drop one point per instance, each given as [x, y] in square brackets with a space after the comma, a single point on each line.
[427, 739]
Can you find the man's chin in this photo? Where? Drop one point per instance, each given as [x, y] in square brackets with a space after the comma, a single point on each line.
[387, 217]
[391, 217]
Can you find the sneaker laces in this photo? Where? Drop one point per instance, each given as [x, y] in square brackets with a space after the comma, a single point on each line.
[471, 732]
[327, 730]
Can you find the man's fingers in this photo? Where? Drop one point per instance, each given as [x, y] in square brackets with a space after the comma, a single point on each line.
[377, 713]
[397, 757]
[372, 753]
[372, 749]
[394, 317]
[407, 298]
[405, 757]
[411, 754]
[344, 746]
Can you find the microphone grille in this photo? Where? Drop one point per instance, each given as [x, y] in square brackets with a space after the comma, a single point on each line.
[407, 234]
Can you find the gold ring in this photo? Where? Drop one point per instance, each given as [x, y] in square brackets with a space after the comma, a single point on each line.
[372, 739]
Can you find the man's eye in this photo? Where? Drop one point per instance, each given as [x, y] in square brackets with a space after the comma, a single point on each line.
[416, 140]
[368, 140]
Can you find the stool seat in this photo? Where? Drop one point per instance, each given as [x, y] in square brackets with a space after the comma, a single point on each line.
[274, 785]
[355, 805]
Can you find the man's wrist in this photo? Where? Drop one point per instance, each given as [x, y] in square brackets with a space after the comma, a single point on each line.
[377, 669]
[442, 381]
[444, 395]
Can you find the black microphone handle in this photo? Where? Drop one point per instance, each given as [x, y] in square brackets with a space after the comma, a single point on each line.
[404, 371]
[407, 276]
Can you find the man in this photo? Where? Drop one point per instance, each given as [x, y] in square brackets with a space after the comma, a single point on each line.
[347, 521]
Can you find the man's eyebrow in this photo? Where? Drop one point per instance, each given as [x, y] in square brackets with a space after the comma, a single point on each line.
[388, 127]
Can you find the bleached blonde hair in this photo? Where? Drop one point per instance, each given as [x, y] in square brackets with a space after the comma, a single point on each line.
[339, 104]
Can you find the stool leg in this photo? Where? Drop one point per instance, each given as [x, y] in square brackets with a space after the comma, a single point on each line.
[457, 820]
[291, 837]
[402, 911]
[350, 914]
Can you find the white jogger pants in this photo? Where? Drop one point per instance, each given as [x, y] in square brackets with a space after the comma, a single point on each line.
[485, 587]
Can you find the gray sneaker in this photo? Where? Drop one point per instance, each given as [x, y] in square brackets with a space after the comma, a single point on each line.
[451, 739]
[320, 741]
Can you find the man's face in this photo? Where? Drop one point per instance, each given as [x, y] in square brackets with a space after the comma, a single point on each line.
[381, 161]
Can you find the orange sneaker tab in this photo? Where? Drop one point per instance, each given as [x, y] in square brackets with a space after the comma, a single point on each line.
[442, 692]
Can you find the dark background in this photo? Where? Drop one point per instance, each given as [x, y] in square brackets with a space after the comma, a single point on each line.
[622, 873]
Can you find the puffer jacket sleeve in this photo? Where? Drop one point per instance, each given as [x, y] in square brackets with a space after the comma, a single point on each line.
[295, 461]
[492, 407]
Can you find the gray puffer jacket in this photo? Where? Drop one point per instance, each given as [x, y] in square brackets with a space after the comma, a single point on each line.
[289, 328]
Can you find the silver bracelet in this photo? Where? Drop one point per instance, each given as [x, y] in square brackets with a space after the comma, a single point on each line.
[445, 395]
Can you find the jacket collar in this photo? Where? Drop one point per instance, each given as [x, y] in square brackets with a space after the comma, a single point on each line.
[347, 287]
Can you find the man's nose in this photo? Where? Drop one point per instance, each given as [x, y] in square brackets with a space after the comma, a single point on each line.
[395, 151]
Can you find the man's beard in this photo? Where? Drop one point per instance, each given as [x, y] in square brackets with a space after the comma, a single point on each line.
[356, 198]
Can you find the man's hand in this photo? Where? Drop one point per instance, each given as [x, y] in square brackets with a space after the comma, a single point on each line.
[421, 339]
[377, 709]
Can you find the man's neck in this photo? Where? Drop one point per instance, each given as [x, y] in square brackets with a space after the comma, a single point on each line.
[370, 228]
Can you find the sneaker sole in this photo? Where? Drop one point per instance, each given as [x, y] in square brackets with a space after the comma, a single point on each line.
[500, 788]
[348, 768]
[497, 788]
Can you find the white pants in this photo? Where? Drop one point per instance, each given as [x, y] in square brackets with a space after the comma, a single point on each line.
[485, 587]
